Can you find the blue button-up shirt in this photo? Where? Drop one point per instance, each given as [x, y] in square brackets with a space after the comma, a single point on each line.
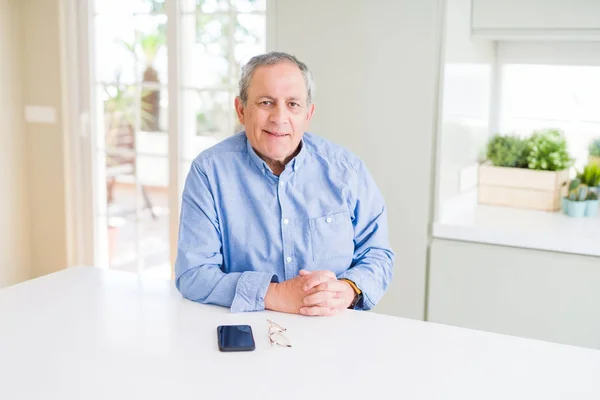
[242, 227]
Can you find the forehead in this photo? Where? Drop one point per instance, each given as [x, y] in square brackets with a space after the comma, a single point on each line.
[282, 79]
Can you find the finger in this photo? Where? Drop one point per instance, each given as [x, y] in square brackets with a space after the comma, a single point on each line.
[330, 274]
[315, 281]
[332, 286]
[317, 298]
[303, 272]
[318, 278]
[339, 303]
[318, 311]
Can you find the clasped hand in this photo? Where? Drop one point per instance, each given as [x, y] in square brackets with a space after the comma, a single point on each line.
[316, 293]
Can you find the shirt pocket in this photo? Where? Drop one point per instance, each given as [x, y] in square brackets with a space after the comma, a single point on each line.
[331, 236]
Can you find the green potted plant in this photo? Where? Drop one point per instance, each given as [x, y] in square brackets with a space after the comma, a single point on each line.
[575, 204]
[590, 176]
[594, 152]
[580, 202]
[508, 151]
[548, 151]
[526, 173]
[591, 209]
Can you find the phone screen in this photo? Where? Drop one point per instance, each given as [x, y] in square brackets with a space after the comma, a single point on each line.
[235, 338]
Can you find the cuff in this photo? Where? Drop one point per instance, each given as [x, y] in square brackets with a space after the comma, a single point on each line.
[371, 293]
[251, 290]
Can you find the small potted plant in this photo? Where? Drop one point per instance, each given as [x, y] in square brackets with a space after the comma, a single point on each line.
[590, 176]
[594, 152]
[575, 204]
[526, 173]
[508, 151]
[548, 151]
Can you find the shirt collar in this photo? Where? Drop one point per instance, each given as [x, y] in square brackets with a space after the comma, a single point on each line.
[297, 161]
[294, 163]
[259, 162]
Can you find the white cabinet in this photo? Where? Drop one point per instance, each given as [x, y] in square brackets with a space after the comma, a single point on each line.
[528, 293]
[543, 19]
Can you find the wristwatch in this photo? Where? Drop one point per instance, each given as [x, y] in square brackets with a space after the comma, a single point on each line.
[358, 296]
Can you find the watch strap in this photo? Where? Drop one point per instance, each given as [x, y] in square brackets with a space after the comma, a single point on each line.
[357, 292]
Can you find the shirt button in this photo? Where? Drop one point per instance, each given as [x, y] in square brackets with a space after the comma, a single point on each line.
[328, 220]
[286, 221]
[289, 259]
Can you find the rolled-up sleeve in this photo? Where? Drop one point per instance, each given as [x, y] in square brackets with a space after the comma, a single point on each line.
[372, 265]
[199, 275]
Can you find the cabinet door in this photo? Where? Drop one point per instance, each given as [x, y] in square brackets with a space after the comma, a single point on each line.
[528, 293]
[536, 15]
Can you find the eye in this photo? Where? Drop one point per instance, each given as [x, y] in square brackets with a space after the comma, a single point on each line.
[294, 104]
[266, 103]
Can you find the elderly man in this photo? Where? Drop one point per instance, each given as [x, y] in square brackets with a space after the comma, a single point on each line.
[276, 218]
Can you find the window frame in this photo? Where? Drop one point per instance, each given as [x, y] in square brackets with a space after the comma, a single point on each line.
[86, 240]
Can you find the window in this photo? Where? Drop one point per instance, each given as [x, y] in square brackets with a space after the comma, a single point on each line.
[217, 38]
[532, 86]
[538, 90]
[151, 60]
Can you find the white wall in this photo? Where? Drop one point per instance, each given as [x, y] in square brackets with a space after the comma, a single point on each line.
[14, 216]
[376, 68]
[466, 100]
[528, 293]
[33, 222]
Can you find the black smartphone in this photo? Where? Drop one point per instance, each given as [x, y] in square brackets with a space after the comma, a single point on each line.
[235, 338]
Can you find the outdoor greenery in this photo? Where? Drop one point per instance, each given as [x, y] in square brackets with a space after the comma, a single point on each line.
[213, 33]
[119, 109]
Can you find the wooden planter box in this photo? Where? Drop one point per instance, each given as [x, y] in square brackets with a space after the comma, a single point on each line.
[522, 188]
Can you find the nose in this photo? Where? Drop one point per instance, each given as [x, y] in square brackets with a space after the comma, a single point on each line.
[279, 115]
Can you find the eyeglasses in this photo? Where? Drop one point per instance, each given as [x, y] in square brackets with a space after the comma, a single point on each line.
[276, 336]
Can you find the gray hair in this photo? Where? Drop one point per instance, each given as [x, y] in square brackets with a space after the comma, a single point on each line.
[272, 58]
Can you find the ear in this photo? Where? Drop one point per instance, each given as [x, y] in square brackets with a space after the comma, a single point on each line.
[239, 109]
[311, 110]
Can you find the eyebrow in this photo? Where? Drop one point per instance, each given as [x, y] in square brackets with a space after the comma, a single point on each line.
[272, 98]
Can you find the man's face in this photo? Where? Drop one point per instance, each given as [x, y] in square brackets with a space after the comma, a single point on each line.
[276, 114]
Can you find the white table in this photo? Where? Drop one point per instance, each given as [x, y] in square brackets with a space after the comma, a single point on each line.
[86, 333]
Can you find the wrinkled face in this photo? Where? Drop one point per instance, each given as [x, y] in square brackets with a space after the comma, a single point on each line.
[276, 114]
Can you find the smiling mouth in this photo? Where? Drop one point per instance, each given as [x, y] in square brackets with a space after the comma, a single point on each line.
[276, 134]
